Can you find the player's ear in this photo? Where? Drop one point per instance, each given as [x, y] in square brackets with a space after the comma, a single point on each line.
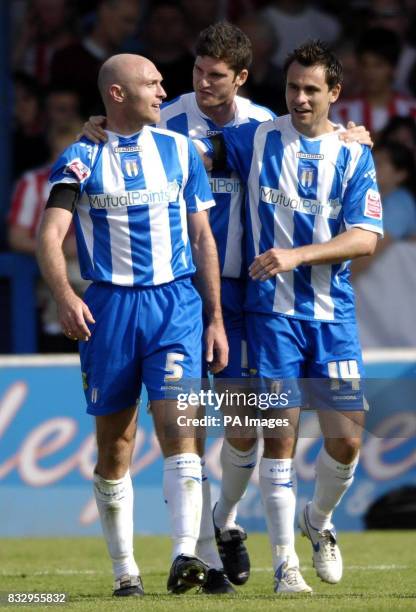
[334, 93]
[117, 93]
[241, 77]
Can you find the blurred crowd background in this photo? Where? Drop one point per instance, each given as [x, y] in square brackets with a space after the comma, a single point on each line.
[52, 51]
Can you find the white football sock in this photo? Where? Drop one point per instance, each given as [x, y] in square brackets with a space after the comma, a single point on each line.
[206, 547]
[278, 493]
[114, 500]
[333, 479]
[237, 468]
[183, 494]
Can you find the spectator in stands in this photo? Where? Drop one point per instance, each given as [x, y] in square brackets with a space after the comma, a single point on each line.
[265, 83]
[396, 178]
[166, 35]
[393, 15]
[63, 106]
[385, 286]
[401, 130]
[199, 15]
[29, 147]
[236, 9]
[296, 20]
[378, 51]
[30, 196]
[345, 51]
[77, 66]
[47, 26]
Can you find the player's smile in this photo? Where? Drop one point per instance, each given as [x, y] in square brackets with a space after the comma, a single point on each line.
[308, 98]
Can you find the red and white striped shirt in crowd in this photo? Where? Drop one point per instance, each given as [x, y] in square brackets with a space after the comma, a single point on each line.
[375, 118]
[29, 199]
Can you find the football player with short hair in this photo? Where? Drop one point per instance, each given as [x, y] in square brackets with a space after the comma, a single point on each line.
[312, 205]
[139, 205]
[223, 58]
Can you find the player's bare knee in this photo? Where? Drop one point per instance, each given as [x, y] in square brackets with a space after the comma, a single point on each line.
[344, 450]
[279, 448]
[177, 446]
[242, 444]
[114, 456]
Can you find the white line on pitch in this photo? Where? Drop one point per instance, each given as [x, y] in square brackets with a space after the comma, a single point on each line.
[72, 572]
[347, 567]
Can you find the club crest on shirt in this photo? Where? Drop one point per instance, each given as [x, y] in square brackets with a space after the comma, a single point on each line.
[372, 204]
[131, 167]
[307, 177]
[77, 167]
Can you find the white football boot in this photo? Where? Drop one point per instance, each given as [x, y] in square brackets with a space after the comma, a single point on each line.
[326, 555]
[290, 580]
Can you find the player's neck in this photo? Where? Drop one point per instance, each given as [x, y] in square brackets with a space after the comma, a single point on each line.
[220, 115]
[315, 130]
[123, 125]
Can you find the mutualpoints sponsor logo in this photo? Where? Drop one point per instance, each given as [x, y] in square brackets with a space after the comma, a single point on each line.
[138, 197]
[329, 209]
[225, 185]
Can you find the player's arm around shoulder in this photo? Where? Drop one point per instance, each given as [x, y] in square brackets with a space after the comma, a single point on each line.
[356, 133]
[231, 149]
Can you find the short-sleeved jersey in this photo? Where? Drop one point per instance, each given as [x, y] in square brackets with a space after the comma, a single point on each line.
[184, 116]
[302, 191]
[131, 218]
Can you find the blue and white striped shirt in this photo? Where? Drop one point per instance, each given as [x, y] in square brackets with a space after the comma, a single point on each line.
[184, 116]
[136, 191]
[302, 191]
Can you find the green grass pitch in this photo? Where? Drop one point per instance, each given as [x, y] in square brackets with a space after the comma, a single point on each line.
[380, 575]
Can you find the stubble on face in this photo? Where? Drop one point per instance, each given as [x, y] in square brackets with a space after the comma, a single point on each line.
[215, 84]
[308, 99]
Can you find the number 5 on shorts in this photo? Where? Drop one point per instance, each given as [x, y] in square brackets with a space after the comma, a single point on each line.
[174, 369]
